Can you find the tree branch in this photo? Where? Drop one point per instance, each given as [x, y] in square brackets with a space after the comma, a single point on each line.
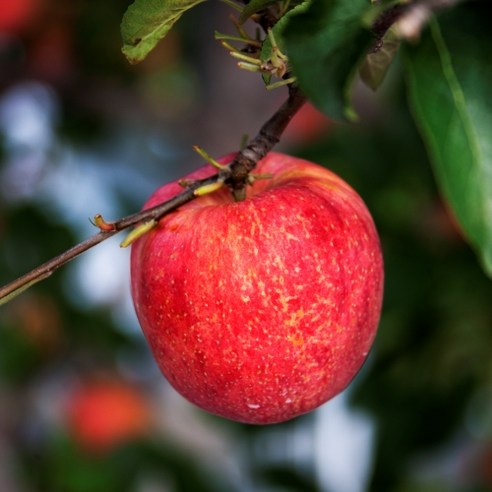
[235, 175]
[409, 19]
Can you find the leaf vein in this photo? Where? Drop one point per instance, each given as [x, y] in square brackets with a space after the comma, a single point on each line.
[457, 95]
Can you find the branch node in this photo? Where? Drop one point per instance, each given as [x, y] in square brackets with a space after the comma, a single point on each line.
[102, 225]
[186, 183]
[236, 175]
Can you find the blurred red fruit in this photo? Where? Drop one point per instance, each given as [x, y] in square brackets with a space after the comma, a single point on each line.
[308, 125]
[51, 57]
[17, 15]
[102, 415]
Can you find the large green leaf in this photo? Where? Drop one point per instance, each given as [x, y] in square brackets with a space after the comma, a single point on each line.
[146, 22]
[449, 76]
[325, 45]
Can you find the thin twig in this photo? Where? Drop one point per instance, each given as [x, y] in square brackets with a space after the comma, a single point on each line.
[409, 18]
[235, 176]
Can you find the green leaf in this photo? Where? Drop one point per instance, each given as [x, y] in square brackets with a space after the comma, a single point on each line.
[253, 7]
[146, 22]
[375, 66]
[448, 76]
[325, 45]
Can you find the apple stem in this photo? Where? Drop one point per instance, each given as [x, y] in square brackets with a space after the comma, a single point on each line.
[236, 176]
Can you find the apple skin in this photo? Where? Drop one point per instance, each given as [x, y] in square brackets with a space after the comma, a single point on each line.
[264, 309]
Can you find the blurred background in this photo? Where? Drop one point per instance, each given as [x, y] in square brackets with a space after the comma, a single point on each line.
[83, 407]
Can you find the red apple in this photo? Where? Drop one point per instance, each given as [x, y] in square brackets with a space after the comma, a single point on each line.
[101, 415]
[308, 125]
[17, 15]
[261, 310]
